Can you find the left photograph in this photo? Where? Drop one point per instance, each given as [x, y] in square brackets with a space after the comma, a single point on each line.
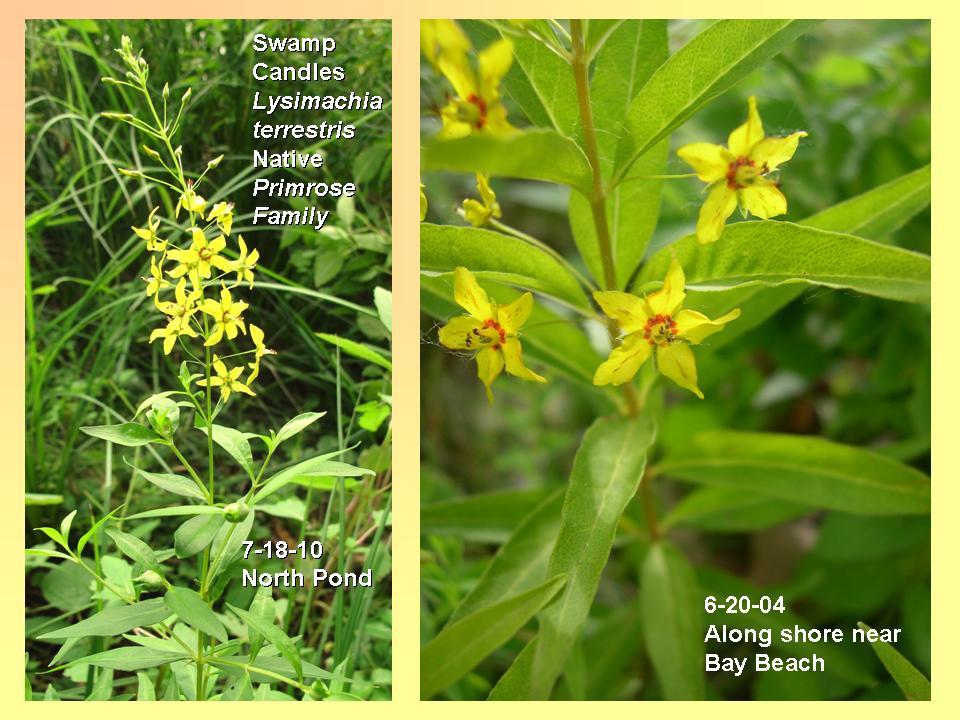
[208, 360]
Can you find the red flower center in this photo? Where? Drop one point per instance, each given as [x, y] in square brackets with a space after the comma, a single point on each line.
[481, 105]
[660, 329]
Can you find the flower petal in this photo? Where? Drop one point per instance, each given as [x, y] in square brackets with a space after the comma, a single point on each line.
[628, 310]
[624, 361]
[772, 152]
[694, 326]
[763, 201]
[489, 366]
[668, 299]
[512, 317]
[742, 140]
[676, 362]
[719, 205]
[709, 161]
[470, 296]
[513, 359]
[456, 68]
[458, 334]
[494, 62]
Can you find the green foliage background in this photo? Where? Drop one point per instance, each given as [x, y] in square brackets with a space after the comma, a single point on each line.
[846, 367]
[88, 321]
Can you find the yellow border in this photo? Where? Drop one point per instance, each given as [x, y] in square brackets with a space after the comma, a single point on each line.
[946, 110]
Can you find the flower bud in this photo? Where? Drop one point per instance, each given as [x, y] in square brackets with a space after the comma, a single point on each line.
[186, 96]
[166, 90]
[236, 512]
[213, 163]
[151, 152]
[130, 173]
[150, 580]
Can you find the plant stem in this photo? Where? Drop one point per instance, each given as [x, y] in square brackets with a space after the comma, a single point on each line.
[598, 198]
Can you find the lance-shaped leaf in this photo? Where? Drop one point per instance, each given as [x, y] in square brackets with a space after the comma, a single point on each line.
[128, 434]
[672, 611]
[460, 646]
[911, 681]
[802, 469]
[114, 621]
[500, 257]
[606, 473]
[533, 155]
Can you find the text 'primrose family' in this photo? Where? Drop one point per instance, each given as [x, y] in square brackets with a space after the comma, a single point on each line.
[278, 101]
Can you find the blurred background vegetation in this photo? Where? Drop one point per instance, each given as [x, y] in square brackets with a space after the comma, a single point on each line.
[850, 368]
[88, 320]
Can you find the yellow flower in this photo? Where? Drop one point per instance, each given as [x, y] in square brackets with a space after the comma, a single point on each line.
[477, 107]
[190, 201]
[226, 315]
[423, 203]
[227, 380]
[149, 233]
[489, 329]
[256, 334]
[198, 259]
[738, 174]
[174, 329]
[222, 212]
[439, 37]
[156, 281]
[480, 213]
[184, 306]
[246, 263]
[655, 325]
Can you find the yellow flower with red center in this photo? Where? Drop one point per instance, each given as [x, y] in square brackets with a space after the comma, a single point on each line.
[200, 257]
[478, 107]
[246, 262]
[156, 281]
[226, 315]
[149, 233]
[739, 174]
[656, 326]
[228, 380]
[222, 212]
[190, 201]
[491, 330]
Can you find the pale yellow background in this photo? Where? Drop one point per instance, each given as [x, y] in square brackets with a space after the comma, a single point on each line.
[405, 15]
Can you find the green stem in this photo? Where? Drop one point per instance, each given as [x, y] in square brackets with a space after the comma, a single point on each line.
[530, 240]
[598, 198]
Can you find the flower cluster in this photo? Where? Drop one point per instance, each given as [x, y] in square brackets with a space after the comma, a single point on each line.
[193, 269]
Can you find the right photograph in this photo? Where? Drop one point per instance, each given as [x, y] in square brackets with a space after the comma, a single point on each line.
[675, 360]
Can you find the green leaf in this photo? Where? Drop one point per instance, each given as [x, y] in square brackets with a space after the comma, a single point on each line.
[873, 214]
[520, 563]
[460, 646]
[176, 510]
[548, 337]
[489, 517]
[191, 608]
[67, 587]
[263, 607]
[703, 69]
[296, 425]
[606, 474]
[277, 637]
[360, 350]
[236, 445]
[533, 155]
[777, 253]
[55, 536]
[114, 621]
[136, 549]
[318, 466]
[128, 434]
[672, 612]
[629, 57]
[145, 690]
[802, 469]
[130, 659]
[383, 301]
[881, 211]
[86, 537]
[910, 680]
[176, 484]
[227, 544]
[731, 510]
[500, 257]
[196, 534]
